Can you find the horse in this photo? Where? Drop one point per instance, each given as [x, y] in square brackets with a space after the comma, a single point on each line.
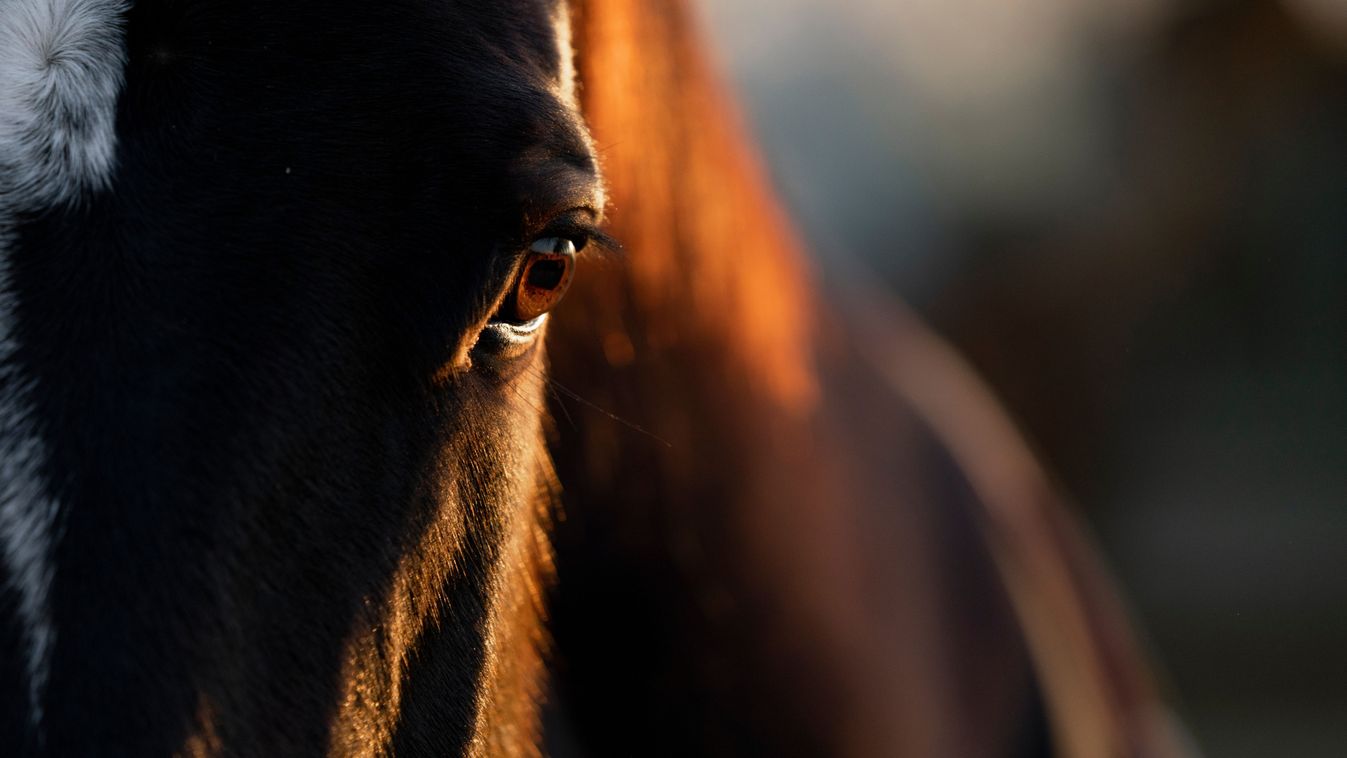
[294, 452]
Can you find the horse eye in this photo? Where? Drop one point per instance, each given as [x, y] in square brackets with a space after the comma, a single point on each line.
[544, 278]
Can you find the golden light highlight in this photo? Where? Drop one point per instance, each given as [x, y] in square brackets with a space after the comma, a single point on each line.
[712, 259]
[830, 516]
[511, 547]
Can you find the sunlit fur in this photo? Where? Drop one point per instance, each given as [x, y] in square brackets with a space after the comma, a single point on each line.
[414, 610]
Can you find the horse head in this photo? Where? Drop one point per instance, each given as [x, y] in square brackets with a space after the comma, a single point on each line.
[275, 281]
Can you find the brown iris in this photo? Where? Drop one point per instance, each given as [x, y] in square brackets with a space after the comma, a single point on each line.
[544, 278]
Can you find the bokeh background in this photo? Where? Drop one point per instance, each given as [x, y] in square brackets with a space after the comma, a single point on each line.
[1131, 216]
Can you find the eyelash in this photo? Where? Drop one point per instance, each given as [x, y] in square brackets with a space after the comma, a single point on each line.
[582, 232]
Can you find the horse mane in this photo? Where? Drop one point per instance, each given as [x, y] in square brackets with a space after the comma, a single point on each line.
[710, 246]
[789, 526]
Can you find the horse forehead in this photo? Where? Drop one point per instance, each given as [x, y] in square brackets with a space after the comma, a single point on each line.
[500, 66]
[536, 32]
[541, 30]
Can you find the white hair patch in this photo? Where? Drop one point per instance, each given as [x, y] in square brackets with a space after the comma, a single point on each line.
[61, 68]
[61, 65]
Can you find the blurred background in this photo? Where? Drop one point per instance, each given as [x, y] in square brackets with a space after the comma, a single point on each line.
[1131, 217]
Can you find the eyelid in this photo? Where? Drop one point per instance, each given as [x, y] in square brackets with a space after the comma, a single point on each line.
[559, 245]
[579, 223]
[573, 223]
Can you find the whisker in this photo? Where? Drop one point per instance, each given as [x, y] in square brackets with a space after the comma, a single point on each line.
[530, 402]
[541, 373]
[609, 414]
[561, 403]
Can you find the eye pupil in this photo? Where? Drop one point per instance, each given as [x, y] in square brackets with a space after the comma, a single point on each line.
[547, 273]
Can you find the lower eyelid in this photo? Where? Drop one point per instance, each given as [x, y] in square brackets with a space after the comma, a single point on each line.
[500, 340]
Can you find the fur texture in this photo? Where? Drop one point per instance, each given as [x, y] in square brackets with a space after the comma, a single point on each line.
[251, 272]
[60, 70]
[61, 65]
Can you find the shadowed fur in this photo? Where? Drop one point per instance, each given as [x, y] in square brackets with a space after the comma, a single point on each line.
[251, 263]
[60, 71]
